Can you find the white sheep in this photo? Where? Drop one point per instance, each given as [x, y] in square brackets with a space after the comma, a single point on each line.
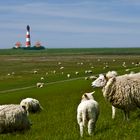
[35, 71]
[39, 85]
[59, 63]
[87, 113]
[76, 72]
[61, 68]
[31, 105]
[122, 92]
[92, 77]
[68, 75]
[13, 118]
[86, 78]
[42, 78]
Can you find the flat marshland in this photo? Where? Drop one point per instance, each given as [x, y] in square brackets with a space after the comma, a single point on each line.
[60, 95]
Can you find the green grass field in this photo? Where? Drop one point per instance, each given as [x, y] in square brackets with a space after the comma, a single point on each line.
[60, 96]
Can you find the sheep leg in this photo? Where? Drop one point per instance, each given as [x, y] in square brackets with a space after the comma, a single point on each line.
[81, 128]
[126, 115]
[91, 127]
[113, 112]
[80, 122]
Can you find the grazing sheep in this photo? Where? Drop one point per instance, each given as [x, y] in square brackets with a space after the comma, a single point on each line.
[76, 72]
[88, 71]
[61, 68]
[92, 77]
[39, 85]
[86, 78]
[122, 92]
[13, 73]
[31, 105]
[87, 113]
[35, 71]
[13, 118]
[42, 78]
[59, 63]
[54, 72]
[68, 75]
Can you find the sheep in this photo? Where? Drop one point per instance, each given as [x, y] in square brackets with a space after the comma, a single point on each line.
[13, 118]
[88, 71]
[31, 105]
[59, 63]
[92, 77]
[68, 75]
[61, 68]
[76, 72]
[42, 78]
[54, 72]
[39, 85]
[122, 92]
[13, 73]
[86, 78]
[87, 113]
[35, 71]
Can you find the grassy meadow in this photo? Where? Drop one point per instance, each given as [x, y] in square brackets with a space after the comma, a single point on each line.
[61, 95]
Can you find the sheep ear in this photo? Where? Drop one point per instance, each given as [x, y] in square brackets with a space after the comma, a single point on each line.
[92, 92]
[24, 107]
[85, 95]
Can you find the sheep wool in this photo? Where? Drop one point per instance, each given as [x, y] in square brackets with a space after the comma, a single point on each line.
[87, 113]
[13, 118]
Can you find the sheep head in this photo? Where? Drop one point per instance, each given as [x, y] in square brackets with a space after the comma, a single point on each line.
[88, 96]
[100, 81]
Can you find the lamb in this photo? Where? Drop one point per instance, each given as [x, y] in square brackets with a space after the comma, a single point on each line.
[13, 118]
[122, 92]
[31, 105]
[87, 113]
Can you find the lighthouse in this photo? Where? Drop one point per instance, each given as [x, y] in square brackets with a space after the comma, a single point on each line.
[28, 41]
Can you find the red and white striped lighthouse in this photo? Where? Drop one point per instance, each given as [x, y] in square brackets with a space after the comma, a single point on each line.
[28, 42]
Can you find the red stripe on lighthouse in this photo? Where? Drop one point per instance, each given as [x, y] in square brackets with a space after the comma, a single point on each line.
[28, 43]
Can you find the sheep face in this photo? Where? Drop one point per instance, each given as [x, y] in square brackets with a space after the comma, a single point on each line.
[100, 81]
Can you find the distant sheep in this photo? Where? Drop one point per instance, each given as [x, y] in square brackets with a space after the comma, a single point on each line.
[76, 72]
[31, 105]
[61, 68]
[87, 113]
[42, 78]
[13, 118]
[35, 71]
[122, 92]
[39, 85]
[68, 75]
[92, 77]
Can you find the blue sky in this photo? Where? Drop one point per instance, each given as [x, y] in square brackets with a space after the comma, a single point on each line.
[71, 23]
